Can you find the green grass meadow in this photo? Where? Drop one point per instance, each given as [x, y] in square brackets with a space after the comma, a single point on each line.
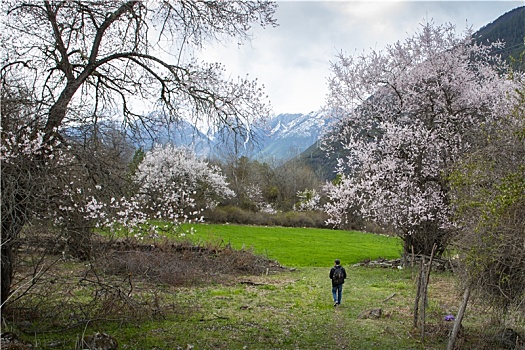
[292, 310]
[300, 247]
[286, 309]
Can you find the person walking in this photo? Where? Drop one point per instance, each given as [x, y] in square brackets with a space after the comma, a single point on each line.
[337, 275]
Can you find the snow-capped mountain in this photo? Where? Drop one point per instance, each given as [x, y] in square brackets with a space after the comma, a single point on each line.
[288, 135]
[283, 137]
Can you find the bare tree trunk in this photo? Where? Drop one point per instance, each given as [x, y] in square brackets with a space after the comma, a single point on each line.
[423, 301]
[459, 318]
[7, 271]
[423, 296]
[10, 231]
[424, 290]
[418, 294]
[422, 293]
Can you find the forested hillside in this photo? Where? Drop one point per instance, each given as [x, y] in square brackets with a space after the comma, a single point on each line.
[509, 28]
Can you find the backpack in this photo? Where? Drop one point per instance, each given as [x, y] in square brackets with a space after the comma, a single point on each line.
[338, 277]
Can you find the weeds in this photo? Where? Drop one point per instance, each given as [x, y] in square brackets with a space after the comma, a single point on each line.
[184, 263]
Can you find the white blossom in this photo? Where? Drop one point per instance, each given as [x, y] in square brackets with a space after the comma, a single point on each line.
[408, 113]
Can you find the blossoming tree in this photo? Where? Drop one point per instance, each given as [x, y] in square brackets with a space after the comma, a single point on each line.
[408, 113]
[79, 63]
[173, 186]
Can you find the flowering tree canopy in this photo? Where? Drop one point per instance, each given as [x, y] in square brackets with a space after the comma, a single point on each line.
[408, 113]
[172, 178]
[308, 200]
[172, 187]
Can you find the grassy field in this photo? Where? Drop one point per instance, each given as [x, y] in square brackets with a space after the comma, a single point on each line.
[292, 310]
[301, 247]
[284, 309]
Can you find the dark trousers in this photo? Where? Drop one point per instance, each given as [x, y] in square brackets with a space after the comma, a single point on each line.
[337, 292]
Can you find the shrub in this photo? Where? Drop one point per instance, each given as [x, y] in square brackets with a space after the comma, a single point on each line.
[236, 215]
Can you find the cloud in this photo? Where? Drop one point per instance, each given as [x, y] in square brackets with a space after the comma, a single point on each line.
[293, 59]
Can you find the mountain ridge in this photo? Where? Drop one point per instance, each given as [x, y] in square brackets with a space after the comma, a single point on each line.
[283, 137]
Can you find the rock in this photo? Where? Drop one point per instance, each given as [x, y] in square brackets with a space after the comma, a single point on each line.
[10, 341]
[99, 341]
[372, 313]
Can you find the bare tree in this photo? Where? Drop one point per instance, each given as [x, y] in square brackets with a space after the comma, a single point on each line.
[79, 61]
[291, 178]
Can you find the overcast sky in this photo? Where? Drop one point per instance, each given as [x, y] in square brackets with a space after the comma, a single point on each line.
[292, 60]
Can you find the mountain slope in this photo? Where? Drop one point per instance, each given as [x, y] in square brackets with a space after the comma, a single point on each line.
[285, 136]
[509, 28]
[180, 134]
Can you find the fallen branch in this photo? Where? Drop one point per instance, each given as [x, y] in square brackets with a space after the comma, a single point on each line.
[390, 297]
[252, 283]
[221, 317]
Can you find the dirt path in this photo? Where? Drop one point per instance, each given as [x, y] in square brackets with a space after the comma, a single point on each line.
[340, 324]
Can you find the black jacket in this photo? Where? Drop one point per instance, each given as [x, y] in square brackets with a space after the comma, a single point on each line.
[332, 270]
